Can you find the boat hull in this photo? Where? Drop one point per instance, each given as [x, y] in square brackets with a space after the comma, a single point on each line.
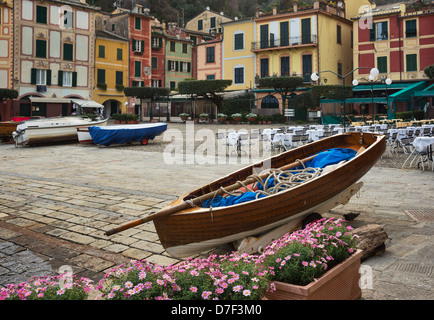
[6, 129]
[51, 130]
[203, 229]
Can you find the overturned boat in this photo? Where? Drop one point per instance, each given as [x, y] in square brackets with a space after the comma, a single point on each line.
[54, 129]
[213, 215]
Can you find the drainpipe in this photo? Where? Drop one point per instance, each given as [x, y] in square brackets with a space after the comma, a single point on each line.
[317, 41]
[400, 52]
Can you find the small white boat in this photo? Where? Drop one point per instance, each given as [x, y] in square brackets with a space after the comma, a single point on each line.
[52, 129]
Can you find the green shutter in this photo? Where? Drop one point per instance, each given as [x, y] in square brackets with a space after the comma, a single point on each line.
[382, 64]
[48, 82]
[188, 66]
[68, 51]
[100, 76]
[33, 76]
[137, 69]
[119, 54]
[168, 65]
[138, 23]
[41, 14]
[411, 60]
[41, 48]
[372, 32]
[119, 77]
[160, 42]
[305, 31]
[133, 43]
[176, 65]
[60, 78]
[101, 51]
[284, 33]
[74, 79]
[142, 46]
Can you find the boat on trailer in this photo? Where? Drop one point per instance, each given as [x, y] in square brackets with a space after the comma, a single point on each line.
[119, 134]
[185, 227]
[53, 129]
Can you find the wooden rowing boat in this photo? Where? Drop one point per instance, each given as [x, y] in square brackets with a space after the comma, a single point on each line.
[197, 229]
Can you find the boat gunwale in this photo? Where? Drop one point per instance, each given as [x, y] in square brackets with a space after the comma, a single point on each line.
[199, 210]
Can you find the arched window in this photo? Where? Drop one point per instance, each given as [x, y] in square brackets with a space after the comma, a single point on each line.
[269, 102]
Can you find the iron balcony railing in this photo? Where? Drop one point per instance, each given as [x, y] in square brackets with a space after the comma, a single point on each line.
[271, 43]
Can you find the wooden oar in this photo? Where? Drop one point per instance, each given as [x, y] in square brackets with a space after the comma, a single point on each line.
[198, 200]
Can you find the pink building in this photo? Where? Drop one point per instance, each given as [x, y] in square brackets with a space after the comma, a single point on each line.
[209, 60]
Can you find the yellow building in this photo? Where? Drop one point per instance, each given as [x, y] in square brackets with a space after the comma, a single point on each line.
[111, 71]
[6, 44]
[302, 40]
[208, 21]
[238, 59]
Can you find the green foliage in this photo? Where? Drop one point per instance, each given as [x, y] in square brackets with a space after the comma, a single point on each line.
[329, 92]
[237, 105]
[8, 94]
[429, 71]
[203, 87]
[407, 115]
[281, 84]
[102, 86]
[146, 92]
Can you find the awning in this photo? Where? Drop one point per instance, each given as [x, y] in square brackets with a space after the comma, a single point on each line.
[409, 91]
[87, 103]
[427, 92]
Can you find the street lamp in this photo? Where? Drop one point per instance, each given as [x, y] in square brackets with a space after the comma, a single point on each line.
[315, 77]
[373, 73]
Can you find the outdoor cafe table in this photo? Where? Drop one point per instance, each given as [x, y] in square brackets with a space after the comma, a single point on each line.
[315, 134]
[424, 143]
[282, 139]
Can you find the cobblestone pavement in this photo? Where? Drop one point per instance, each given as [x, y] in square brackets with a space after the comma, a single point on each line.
[56, 202]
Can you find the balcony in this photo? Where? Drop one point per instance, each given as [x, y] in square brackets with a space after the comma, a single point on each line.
[272, 44]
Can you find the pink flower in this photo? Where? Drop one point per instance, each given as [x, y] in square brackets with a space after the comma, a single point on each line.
[238, 288]
[206, 294]
[304, 263]
[219, 290]
[193, 289]
[246, 293]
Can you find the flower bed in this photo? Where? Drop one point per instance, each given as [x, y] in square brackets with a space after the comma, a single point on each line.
[299, 258]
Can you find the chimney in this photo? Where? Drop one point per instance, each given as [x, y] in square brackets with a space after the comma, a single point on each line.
[295, 6]
[274, 9]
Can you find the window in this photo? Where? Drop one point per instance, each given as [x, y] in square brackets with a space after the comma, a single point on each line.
[157, 42]
[41, 48]
[68, 19]
[119, 54]
[138, 45]
[239, 75]
[113, 27]
[137, 69]
[41, 77]
[338, 34]
[67, 79]
[172, 85]
[154, 63]
[378, 31]
[239, 41]
[41, 14]
[119, 78]
[212, 22]
[100, 76]
[137, 23]
[339, 69]
[194, 39]
[199, 24]
[68, 50]
[264, 67]
[284, 66]
[156, 83]
[172, 65]
[172, 46]
[410, 28]
[210, 77]
[210, 54]
[101, 51]
[269, 102]
[138, 83]
[411, 61]
[184, 48]
[184, 66]
[382, 64]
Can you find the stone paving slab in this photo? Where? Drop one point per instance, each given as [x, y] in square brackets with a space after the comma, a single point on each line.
[56, 202]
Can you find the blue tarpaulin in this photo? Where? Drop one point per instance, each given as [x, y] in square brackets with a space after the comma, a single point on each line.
[323, 159]
[108, 135]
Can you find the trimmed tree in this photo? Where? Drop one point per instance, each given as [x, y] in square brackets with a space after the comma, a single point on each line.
[282, 85]
[429, 71]
[209, 89]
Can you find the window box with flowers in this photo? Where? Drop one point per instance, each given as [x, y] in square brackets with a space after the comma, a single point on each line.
[203, 117]
[221, 117]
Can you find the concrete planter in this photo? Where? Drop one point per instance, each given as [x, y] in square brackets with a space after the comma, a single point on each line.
[339, 283]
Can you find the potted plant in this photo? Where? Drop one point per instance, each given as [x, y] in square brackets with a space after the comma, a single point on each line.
[221, 117]
[132, 118]
[236, 117]
[123, 118]
[203, 117]
[116, 117]
[251, 117]
[318, 262]
[184, 116]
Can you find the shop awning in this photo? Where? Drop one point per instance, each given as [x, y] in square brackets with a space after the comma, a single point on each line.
[49, 100]
[427, 92]
[87, 103]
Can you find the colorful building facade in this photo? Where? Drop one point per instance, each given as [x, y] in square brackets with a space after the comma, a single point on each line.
[158, 61]
[208, 21]
[238, 62]
[209, 57]
[53, 55]
[398, 40]
[178, 61]
[111, 71]
[6, 44]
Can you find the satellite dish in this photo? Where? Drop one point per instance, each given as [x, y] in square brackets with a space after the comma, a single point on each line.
[147, 71]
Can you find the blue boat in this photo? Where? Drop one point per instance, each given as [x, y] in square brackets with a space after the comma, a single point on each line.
[121, 134]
